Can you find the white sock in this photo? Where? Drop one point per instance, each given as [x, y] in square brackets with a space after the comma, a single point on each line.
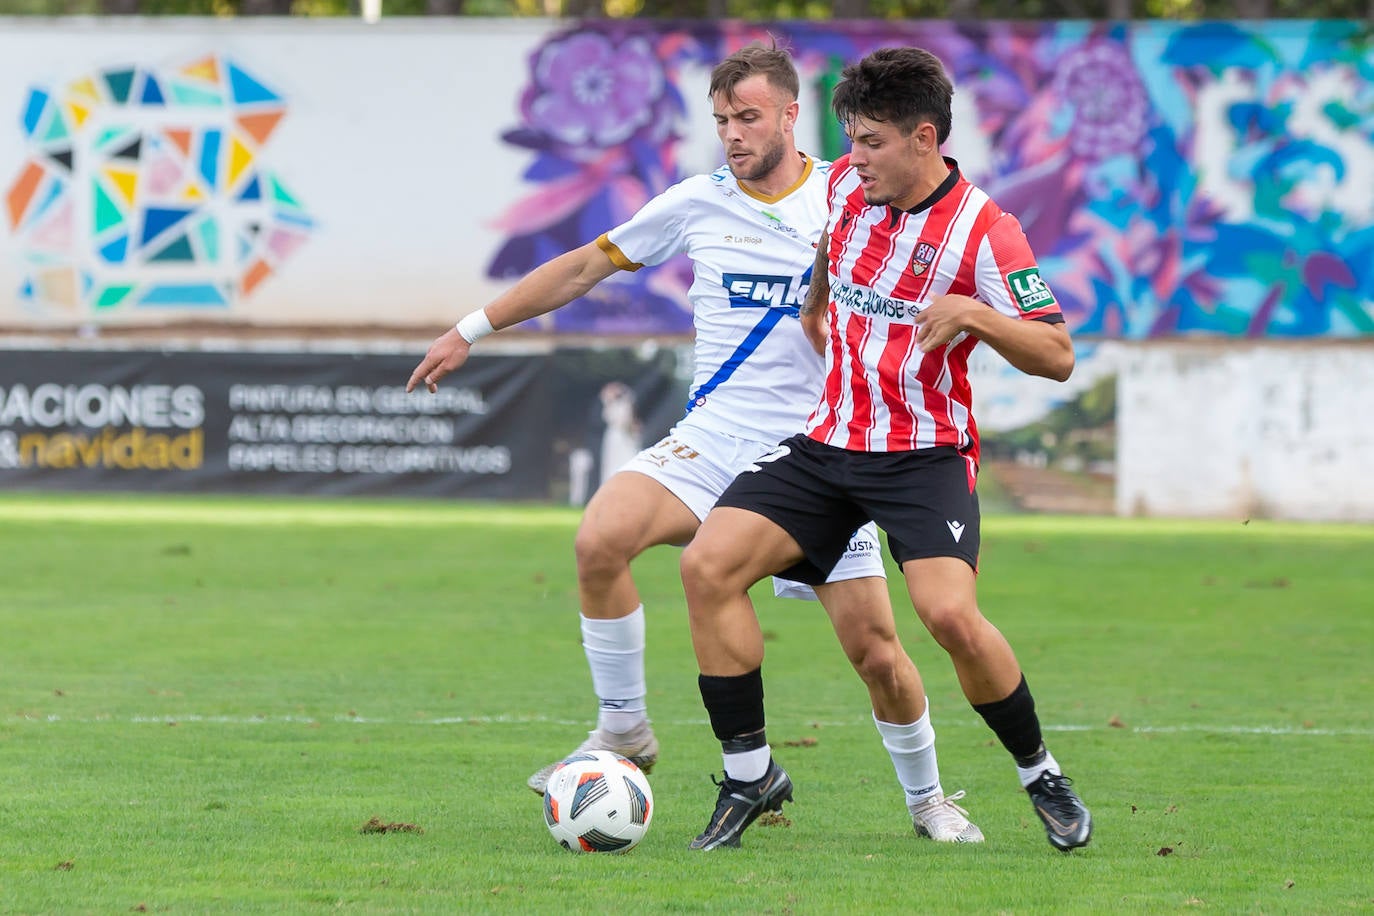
[912, 749]
[1029, 775]
[615, 653]
[748, 766]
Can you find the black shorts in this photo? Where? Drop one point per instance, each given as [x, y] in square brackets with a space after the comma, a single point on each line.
[820, 494]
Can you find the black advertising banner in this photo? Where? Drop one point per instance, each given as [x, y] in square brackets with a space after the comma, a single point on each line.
[273, 422]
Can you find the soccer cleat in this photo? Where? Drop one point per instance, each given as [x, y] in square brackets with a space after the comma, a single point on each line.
[639, 746]
[739, 805]
[939, 818]
[1067, 822]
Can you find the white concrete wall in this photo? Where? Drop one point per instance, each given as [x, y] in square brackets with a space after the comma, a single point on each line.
[1236, 430]
[391, 141]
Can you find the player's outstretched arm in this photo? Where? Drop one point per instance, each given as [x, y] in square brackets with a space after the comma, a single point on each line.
[816, 306]
[549, 286]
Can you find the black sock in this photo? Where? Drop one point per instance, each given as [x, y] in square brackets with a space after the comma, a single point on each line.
[735, 706]
[1016, 725]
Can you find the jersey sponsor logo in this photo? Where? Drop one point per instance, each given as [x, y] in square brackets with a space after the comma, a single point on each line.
[775, 222]
[1029, 290]
[751, 291]
[922, 258]
[865, 301]
[743, 240]
[778, 297]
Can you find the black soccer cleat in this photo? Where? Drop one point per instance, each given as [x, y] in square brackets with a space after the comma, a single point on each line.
[1067, 822]
[739, 805]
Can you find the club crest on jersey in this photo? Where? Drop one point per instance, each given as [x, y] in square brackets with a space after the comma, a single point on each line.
[922, 258]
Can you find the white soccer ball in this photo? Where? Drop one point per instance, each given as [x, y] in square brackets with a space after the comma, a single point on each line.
[598, 801]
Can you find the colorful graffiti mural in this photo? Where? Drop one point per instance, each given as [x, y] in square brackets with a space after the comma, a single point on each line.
[1210, 179]
[147, 187]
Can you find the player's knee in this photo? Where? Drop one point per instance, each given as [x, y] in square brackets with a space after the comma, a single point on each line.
[600, 555]
[705, 571]
[695, 566]
[878, 659]
[956, 627]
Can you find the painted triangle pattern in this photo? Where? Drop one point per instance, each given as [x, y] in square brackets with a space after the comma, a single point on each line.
[160, 206]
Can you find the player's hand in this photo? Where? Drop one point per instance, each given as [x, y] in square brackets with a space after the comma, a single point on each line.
[446, 354]
[945, 318]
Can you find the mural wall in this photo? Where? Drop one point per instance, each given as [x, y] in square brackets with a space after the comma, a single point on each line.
[150, 186]
[1208, 179]
[1201, 198]
[1211, 178]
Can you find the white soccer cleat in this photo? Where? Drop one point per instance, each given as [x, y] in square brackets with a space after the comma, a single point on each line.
[942, 820]
[639, 745]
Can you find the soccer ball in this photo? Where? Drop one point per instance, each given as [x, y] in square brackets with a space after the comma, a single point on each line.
[597, 801]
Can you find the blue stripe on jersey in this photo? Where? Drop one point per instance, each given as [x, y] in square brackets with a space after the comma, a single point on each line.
[751, 342]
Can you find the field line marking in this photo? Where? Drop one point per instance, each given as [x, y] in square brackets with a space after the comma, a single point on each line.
[225, 511]
[191, 718]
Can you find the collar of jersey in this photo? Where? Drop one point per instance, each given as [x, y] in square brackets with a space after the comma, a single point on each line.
[934, 197]
[763, 198]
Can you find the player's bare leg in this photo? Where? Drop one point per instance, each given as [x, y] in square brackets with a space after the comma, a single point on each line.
[733, 550]
[943, 592]
[861, 612]
[629, 514]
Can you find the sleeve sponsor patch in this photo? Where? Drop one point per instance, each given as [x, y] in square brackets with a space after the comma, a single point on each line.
[1028, 290]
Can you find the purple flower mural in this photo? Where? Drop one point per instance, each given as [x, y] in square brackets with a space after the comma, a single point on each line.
[1192, 179]
[602, 114]
[590, 91]
[1098, 81]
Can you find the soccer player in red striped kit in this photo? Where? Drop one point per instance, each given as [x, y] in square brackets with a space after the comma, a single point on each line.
[916, 267]
[750, 230]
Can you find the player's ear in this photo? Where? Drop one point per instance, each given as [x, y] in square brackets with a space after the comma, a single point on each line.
[789, 115]
[927, 137]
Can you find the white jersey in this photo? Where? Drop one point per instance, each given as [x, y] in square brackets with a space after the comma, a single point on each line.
[756, 376]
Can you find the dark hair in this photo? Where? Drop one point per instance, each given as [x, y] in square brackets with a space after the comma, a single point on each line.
[902, 86]
[773, 62]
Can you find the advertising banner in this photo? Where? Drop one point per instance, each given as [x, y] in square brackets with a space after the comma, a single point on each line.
[536, 423]
[319, 423]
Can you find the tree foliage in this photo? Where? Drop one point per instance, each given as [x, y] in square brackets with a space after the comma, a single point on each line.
[718, 9]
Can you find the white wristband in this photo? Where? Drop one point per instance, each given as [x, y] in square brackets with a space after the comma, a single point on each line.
[474, 326]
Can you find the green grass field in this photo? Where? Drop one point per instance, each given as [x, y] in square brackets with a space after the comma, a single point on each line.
[202, 702]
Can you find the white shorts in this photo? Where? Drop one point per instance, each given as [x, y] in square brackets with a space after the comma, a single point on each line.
[696, 465]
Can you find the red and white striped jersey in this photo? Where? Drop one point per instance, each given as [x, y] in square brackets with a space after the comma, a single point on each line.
[882, 394]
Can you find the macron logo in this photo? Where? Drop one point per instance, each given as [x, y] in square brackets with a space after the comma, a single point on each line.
[956, 529]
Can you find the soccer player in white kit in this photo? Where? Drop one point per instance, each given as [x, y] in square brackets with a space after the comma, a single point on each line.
[750, 230]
